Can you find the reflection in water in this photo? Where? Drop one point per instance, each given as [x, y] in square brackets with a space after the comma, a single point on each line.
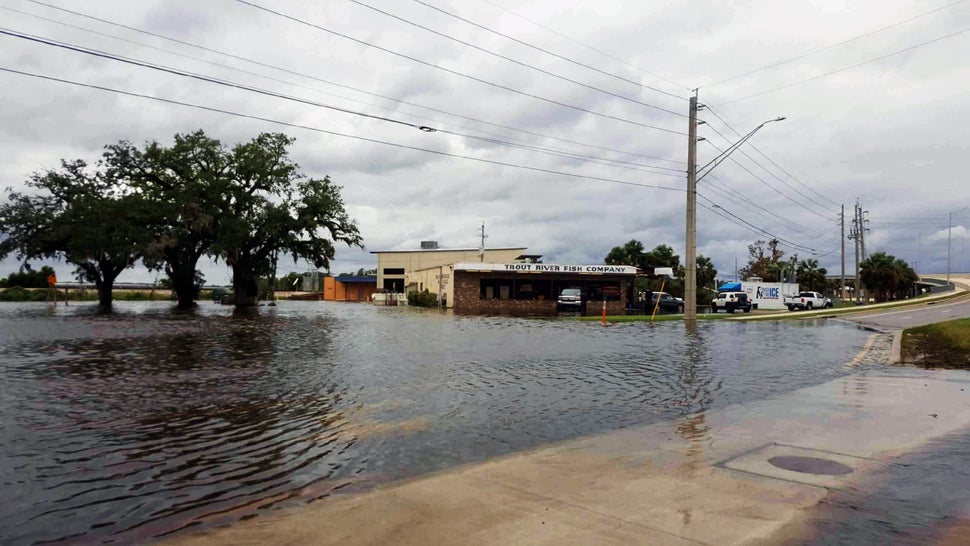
[141, 423]
[695, 378]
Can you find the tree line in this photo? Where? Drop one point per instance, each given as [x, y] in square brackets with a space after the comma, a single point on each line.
[168, 206]
[883, 275]
[634, 253]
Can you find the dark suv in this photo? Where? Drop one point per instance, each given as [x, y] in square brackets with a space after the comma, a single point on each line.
[667, 302]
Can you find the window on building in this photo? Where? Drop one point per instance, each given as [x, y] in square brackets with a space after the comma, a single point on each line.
[496, 289]
[600, 291]
[393, 270]
[533, 289]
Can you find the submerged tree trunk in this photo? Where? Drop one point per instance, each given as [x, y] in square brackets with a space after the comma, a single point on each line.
[105, 296]
[183, 284]
[245, 285]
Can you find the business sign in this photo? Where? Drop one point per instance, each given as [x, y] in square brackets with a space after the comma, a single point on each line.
[768, 293]
[548, 268]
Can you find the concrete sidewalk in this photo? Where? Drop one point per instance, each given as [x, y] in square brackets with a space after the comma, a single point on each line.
[703, 479]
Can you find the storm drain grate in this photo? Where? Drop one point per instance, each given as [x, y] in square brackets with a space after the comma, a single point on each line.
[805, 465]
[810, 465]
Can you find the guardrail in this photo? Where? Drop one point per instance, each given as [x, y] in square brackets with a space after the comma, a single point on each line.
[937, 285]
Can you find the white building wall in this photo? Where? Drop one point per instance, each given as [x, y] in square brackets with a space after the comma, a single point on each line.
[769, 295]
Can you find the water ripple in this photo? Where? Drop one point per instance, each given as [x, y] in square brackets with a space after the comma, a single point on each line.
[148, 422]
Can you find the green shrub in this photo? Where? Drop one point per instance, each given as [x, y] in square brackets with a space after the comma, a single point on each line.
[19, 293]
[423, 299]
[27, 279]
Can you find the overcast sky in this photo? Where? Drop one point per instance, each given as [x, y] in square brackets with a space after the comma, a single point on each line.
[891, 133]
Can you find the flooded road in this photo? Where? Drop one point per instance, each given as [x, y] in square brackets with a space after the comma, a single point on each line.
[148, 422]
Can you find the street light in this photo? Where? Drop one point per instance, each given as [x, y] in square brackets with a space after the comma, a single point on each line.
[949, 233]
[690, 267]
[723, 155]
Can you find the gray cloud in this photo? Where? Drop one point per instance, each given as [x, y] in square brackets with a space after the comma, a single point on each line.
[887, 133]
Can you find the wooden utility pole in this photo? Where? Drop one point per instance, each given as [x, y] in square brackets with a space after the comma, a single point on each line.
[690, 267]
[856, 224]
[842, 278]
[481, 251]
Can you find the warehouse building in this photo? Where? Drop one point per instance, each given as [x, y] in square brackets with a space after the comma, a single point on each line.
[397, 270]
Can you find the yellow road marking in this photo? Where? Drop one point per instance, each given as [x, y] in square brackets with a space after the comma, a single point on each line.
[862, 354]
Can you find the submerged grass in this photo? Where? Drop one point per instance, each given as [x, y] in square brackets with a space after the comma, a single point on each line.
[939, 345]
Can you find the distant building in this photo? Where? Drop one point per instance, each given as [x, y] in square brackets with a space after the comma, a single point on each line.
[349, 288]
[394, 266]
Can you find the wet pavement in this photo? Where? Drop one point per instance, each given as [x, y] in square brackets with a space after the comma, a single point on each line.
[148, 422]
[886, 439]
[910, 317]
[917, 498]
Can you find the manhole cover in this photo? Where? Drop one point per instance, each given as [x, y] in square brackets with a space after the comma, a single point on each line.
[810, 465]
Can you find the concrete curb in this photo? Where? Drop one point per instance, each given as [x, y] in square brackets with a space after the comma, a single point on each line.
[896, 354]
[961, 291]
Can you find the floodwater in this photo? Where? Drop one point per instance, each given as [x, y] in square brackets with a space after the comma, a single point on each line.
[149, 422]
[917, 498]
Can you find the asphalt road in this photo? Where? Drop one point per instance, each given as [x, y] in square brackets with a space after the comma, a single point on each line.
[910, 317]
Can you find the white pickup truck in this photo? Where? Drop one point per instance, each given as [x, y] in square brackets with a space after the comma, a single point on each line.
[807, 300]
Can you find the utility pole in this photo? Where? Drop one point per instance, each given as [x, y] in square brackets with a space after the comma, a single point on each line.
[949, 233]
[481, 248]
[854, 235]
[842, 278]
[690, 269]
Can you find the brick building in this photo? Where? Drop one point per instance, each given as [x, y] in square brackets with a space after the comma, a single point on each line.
[502, 281]
[522, 288]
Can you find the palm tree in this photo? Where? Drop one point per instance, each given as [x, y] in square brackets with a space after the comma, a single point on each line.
[811, 275]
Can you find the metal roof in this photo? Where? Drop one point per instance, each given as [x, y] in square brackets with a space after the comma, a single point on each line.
[357, 278]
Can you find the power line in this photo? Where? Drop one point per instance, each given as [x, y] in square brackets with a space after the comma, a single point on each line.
[738, 199]
[424, 128]
[569, 155]
[727, 190]
[755, 148]
[826, 48]
[850, 67]
[311, 77]
[587, 46]
[762, 180]
[717, 209]
[546, 51]
[200, 77]
[336, 133]
[516, 61]
[455, 72]
[772, 174]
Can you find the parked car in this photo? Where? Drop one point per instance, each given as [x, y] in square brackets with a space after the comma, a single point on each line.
[570, 299]
[731, 302]
[667, 302]
[807, 300]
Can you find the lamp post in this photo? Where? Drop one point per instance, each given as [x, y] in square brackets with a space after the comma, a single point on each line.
[949, 234]
[690, 265]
